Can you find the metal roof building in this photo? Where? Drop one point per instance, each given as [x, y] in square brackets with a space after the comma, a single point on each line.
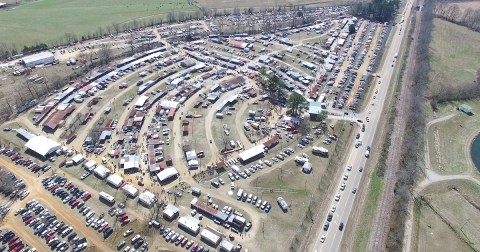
[41, 58]
[42, 145]
[255, 151]
[167, 173]
[211, 236]
[189, 223]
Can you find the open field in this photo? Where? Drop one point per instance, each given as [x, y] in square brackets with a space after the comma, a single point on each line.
[220, 4]
[36, 21]
[298, 189]
[449, 141]
[454, 54]
[468, 4]
[448, 219]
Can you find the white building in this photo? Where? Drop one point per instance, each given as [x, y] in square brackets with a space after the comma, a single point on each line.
[77, 159]
[167, 173]
[226, 246]
[115, 180]
[191, 155]
[166, 104]
[130, 190]
[41, 58]
[147, 198]
[102, 171]
[42, 145]
[189, 224]
[130, 163]
[170, 212]
[211, 236]
[90, 165]
[141, 101]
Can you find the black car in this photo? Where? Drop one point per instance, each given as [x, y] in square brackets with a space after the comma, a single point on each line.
[325, 227]
[340, 227]
[329, 217]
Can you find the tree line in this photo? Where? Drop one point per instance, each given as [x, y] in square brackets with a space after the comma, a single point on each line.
[443, 92]
[411, 157]
[378, 10]
[469, 17]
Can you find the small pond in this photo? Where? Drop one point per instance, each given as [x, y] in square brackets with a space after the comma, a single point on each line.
[475, 152]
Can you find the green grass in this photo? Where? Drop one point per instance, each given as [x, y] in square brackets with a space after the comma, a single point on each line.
[449, 141]
[454, 54]
[48, 20]
[365, 227]
[455, 205]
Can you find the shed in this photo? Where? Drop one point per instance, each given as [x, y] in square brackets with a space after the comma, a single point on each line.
[24, 134]
[465, 109]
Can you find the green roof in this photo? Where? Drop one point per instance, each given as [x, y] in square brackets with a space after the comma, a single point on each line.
[465, 108]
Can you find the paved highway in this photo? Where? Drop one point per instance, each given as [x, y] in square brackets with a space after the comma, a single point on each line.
[333, 236]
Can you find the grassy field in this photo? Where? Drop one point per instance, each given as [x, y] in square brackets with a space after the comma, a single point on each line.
[449, 142]
[298, 189]
[454, 54]
[363, 232]
[48, 20]
[448, 219]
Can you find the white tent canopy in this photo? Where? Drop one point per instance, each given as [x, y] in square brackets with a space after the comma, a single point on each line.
[115, 180]
[42, 145]
[90, 165]
[102, 171]
[191, 155]
[167, 173]
[147, 198]
[130, 190]
[78, 158]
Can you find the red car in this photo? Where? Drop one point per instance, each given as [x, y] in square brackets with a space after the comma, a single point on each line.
[123, 217]
[13, 240]
[106, 228]
[125, 222]
[27, 221]
[87, 196]
[53, 188]
[194, 247]
[75, 203]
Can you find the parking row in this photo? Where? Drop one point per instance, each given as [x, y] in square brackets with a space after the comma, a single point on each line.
[14, 243]
[58, 235]
[76, 198]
